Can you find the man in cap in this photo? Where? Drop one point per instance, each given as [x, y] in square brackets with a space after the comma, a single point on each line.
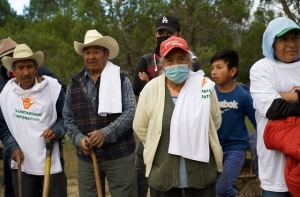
[33, 112]
[148, 68]
[98, 112]
[7, 47]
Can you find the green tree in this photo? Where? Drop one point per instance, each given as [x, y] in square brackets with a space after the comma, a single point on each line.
[290, 8]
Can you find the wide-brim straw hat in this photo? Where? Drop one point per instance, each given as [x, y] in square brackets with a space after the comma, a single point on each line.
[7, 46]
[22, 52]
[94, 38]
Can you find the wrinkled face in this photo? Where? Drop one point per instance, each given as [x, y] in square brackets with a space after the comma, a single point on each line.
[220, 73]
[95, 58]
[176, 56]
[287, 47]
[25, 72]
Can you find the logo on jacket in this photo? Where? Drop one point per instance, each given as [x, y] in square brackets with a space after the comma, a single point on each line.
[164, 20]
[231, 105]
[27, 102]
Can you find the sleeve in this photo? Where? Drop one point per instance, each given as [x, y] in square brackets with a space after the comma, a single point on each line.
[73, 130]
[59, 128]
[138, 84]
[215, 109]
[141, 117]
[9, 142]
[249, 110]
[124, 121]
[44, 70]
[266, 100]
[262, 89]
[281, 108]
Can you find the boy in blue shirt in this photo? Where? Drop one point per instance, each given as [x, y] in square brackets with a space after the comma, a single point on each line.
[235, 104]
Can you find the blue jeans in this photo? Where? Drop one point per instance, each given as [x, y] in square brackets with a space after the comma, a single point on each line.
[232, 164]
[275, 194]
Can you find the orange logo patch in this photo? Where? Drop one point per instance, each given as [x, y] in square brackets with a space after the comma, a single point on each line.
[204, 81]
[27, 102]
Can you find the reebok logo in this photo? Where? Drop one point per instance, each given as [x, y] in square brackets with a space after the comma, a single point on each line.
[226, 104]
[164, 20]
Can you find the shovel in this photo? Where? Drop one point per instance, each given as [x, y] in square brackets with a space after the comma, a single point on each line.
[96, 171]
[49, 147]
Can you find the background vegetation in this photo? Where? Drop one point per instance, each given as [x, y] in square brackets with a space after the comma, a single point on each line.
[208, 25]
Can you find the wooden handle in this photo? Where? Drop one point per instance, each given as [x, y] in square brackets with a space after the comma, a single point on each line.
[19, 180]
[47, 176]
[96, 172]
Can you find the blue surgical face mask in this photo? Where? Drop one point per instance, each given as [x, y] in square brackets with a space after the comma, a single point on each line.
[177, 73]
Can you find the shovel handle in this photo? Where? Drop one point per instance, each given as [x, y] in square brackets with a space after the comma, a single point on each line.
[19, 180]
[49, 147]
[96, 172]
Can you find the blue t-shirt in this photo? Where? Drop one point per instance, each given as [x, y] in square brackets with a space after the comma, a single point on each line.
[235, 105]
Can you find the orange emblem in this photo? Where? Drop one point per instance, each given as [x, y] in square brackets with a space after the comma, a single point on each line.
[27, 102]
[204, 81]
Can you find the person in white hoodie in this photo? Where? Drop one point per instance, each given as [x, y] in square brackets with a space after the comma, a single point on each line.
[274, 80]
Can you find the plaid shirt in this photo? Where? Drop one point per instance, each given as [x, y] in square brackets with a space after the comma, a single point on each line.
[83, 105]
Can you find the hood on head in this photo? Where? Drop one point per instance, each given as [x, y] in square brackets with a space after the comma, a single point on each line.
[275, 27]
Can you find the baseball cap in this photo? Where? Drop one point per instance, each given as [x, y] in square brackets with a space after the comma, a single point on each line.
[169, 23]
[172, 43]
[287, 30]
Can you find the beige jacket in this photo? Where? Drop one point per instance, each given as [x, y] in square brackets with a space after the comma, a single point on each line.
[147, 122]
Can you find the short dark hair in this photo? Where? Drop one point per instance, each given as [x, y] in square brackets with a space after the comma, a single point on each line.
[228, 56]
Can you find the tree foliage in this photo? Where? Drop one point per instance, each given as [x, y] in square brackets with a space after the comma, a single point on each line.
[208, 25]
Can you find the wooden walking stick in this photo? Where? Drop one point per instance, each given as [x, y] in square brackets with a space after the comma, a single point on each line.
[96, 171]
[19, 180]
[49, 148]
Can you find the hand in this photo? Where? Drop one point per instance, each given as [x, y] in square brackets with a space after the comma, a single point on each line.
[97, 138]
[143, 76]
[290, 97]
[84, 145]
[48, 133]
[18, 156]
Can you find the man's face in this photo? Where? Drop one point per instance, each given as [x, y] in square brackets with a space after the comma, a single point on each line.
[287, 47]
[95, 58]
[25, 72]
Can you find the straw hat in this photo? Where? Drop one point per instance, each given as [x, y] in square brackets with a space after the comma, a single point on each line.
[22, 52]
[94, 38]
[7, 46]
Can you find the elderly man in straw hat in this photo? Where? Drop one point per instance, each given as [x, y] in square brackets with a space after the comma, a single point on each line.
[33, 111]
[7, 46]
[98, 113]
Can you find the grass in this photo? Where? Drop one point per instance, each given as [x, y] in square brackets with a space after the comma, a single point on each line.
[70, 157]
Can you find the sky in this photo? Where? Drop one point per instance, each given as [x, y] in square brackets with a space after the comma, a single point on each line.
[18, 5]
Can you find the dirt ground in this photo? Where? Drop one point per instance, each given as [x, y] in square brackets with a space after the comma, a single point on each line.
[247, 183]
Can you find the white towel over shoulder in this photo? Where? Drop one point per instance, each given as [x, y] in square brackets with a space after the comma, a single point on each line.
[189, 136]
[110, 100]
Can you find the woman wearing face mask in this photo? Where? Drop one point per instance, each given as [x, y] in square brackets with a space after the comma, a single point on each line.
[176, 119]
